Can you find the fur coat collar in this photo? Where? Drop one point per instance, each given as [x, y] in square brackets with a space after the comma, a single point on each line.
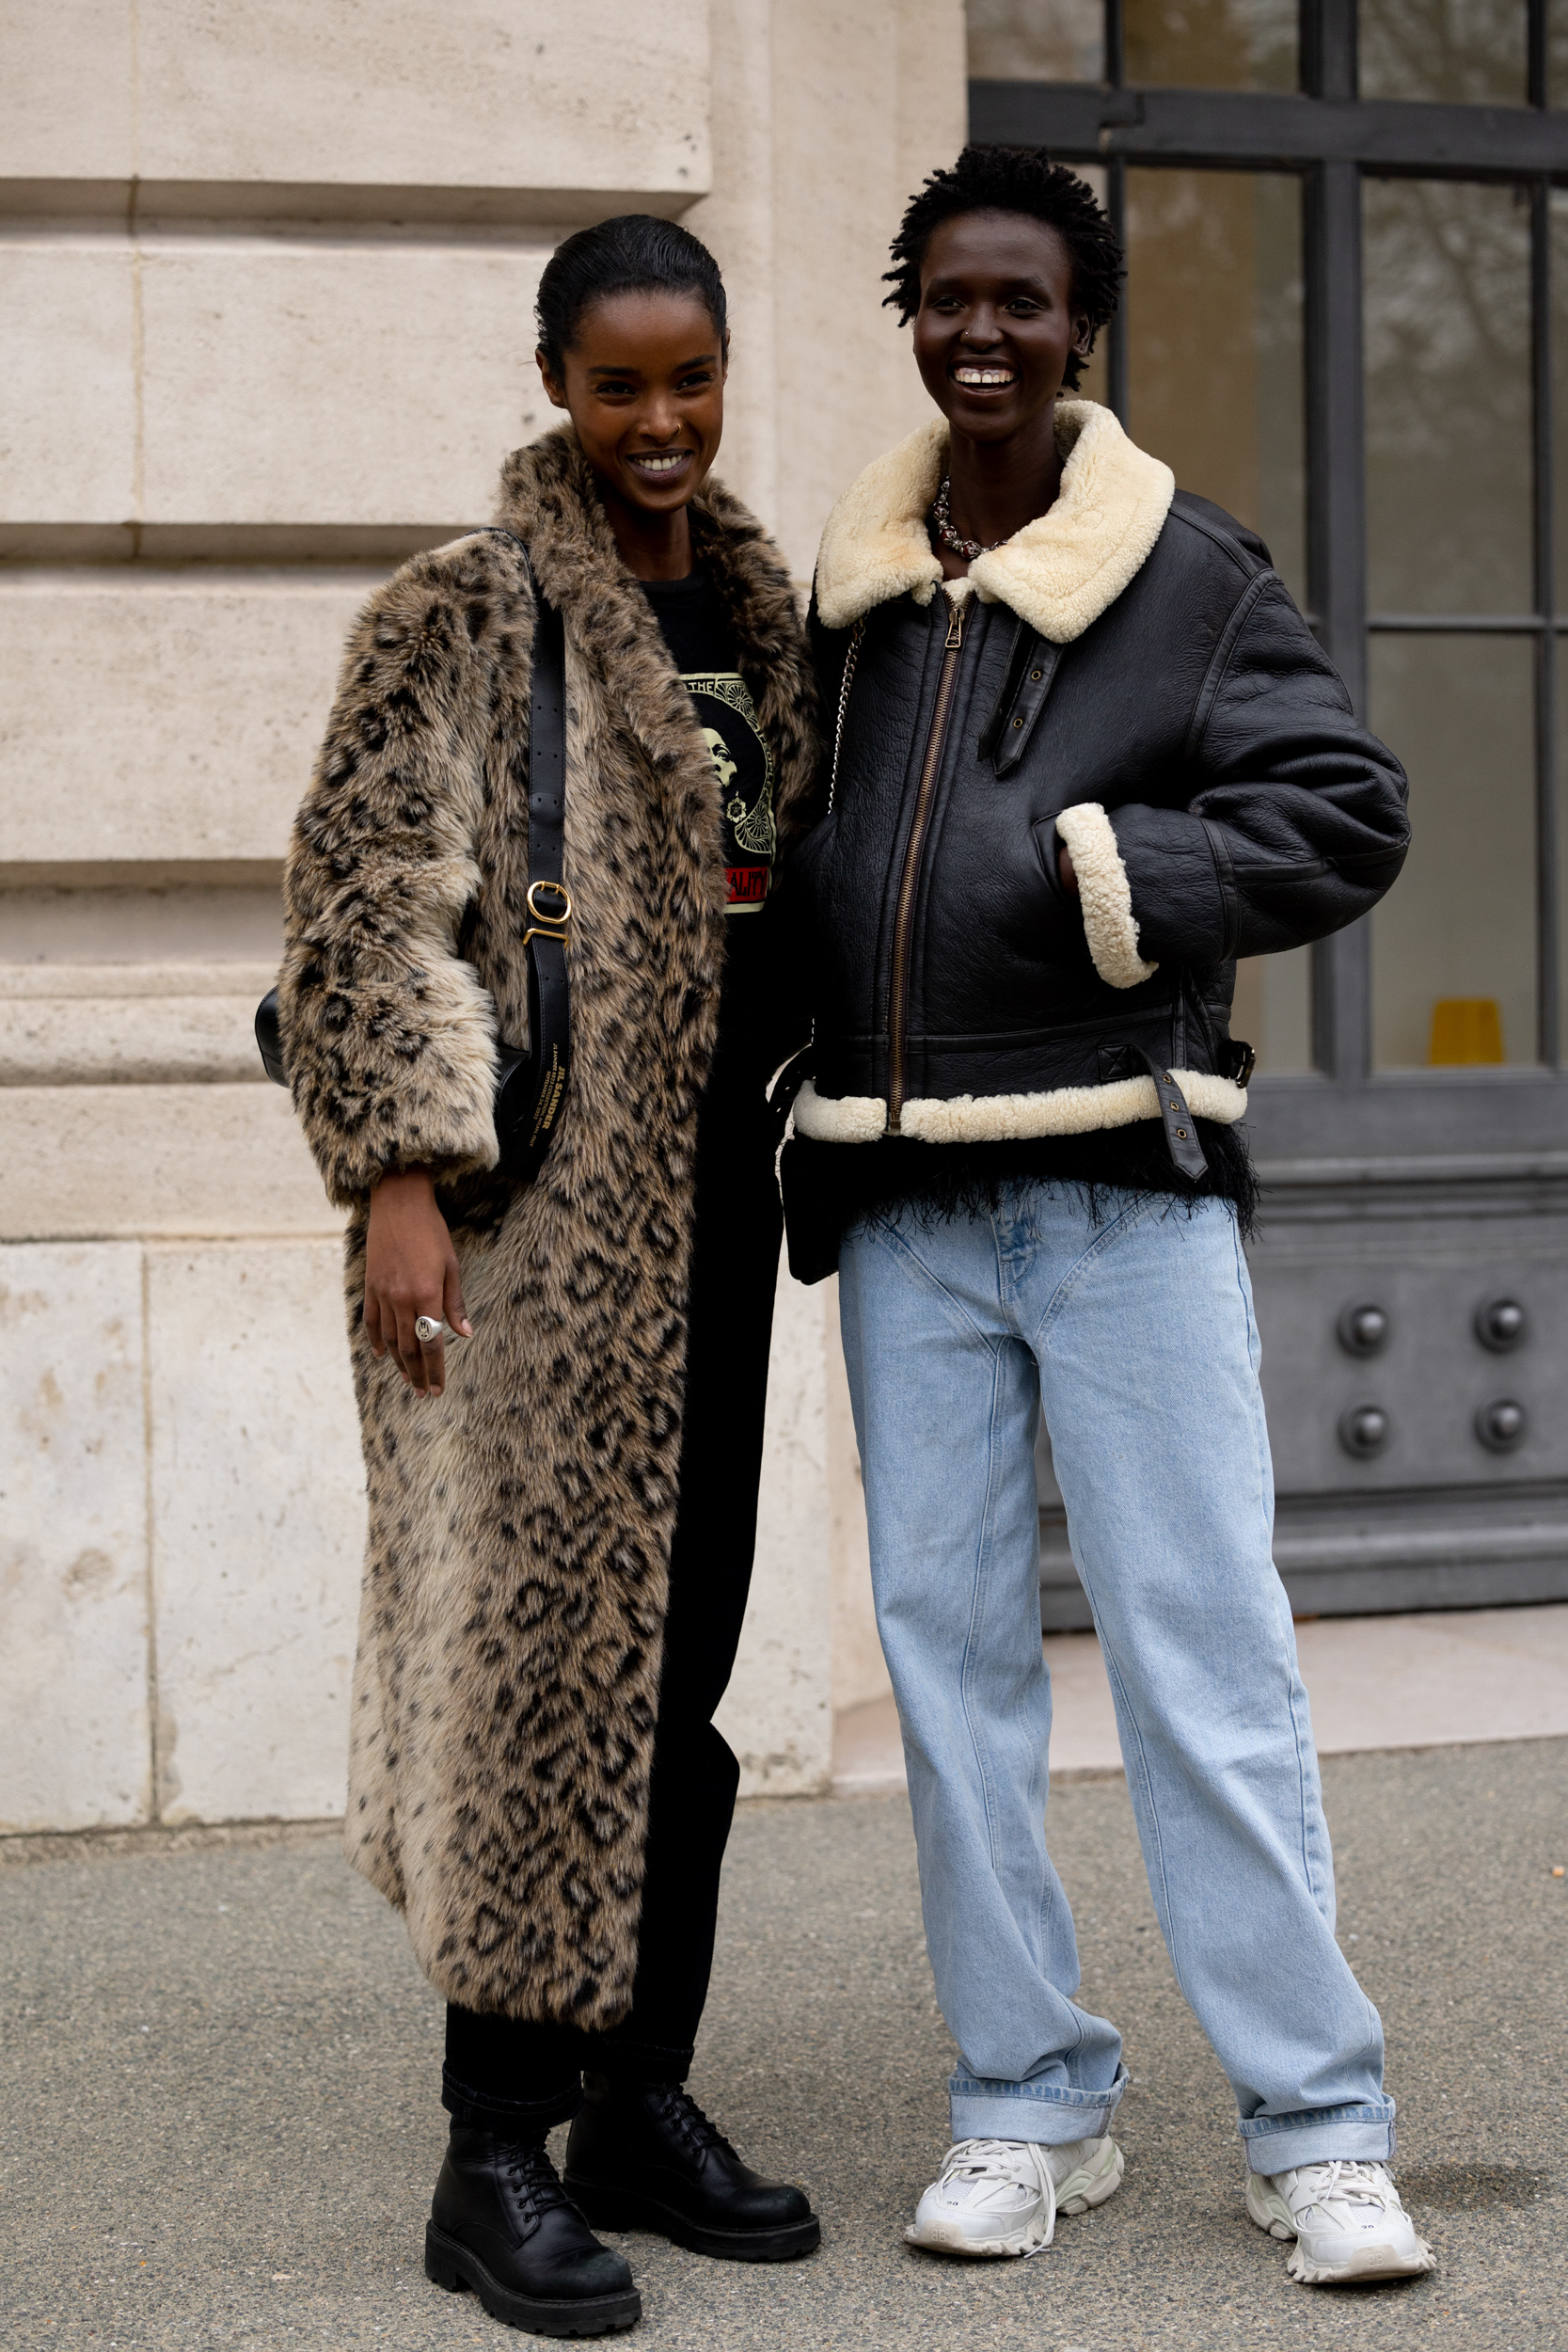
[1059, 573]
[548, 498]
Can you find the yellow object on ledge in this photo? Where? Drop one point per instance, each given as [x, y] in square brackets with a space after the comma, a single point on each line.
[1465, 1029]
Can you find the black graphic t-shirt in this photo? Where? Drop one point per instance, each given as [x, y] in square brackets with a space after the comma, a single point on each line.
[754, 1027]
[697, 633]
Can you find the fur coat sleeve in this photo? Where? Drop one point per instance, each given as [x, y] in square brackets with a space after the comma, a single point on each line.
[388, 1030]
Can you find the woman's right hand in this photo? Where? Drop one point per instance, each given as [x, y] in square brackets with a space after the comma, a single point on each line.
[411, 1270]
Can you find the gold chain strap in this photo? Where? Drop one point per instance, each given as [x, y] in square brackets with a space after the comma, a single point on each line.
[848, 680]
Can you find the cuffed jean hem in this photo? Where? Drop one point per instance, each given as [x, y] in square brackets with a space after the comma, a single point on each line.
[1047, 2116]
[509, 2118]
[1358, 2135]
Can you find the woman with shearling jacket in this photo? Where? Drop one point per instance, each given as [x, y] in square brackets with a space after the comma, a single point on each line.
[561, 1383]
[1087, 752]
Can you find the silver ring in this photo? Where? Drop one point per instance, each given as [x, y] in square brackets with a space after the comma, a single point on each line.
[427, 1328]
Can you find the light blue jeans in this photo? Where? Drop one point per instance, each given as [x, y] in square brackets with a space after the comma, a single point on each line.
[1138, 1337]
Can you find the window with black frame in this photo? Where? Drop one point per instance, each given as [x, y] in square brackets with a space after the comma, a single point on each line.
[1347, 298]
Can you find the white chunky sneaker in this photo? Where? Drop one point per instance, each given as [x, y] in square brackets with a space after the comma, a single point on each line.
[1003, 2196]
[1347, 2221]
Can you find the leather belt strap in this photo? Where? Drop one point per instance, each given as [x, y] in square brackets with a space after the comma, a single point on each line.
[1186, 1151]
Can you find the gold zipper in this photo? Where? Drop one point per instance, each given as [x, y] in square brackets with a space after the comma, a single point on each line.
[898, 1006]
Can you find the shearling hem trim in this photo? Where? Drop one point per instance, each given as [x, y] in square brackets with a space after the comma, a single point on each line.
[1105, 895]
[1059, 573]
[1013, 1117]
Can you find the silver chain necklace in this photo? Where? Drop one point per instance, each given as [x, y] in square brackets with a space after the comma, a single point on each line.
[942, 520]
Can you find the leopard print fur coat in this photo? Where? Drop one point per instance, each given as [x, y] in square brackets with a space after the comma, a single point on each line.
[517, 1565]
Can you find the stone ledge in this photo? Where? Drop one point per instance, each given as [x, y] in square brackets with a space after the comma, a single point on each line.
[165, 721]
[381, 383]
[149, 1040]
[297, 95]
[100, 1845]
[85, 1163]
[332, 207]
[44, 981]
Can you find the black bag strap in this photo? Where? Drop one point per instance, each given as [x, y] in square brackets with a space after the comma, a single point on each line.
[531, 1090]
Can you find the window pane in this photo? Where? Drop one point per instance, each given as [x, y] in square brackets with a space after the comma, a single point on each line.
[1274, 1010]
[1215, 344]
[1453, 943]
[1559, 381]
[1469, 52]
[1095, 384]
[1035, 40]
[1448, 397]
[1212, 44]
[1562, 658]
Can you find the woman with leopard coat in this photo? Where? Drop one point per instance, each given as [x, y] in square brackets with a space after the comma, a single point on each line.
[563, 1492]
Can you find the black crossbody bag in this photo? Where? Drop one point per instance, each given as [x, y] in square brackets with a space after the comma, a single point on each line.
[531, 1088]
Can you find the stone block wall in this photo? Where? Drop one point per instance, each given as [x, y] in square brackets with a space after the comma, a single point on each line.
[266, 285]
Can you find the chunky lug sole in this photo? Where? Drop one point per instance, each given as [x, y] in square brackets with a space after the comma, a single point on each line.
[1268, 2209]
[632, 2209]
[450, 2264]
[947, 2237]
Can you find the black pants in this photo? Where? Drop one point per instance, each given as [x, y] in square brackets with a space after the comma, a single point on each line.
[503, 2075]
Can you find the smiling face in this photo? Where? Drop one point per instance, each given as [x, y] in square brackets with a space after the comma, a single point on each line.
[643, 381]
[997, 324]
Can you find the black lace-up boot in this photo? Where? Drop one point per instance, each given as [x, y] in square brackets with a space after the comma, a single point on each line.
[644, 2156]
[502, 2223]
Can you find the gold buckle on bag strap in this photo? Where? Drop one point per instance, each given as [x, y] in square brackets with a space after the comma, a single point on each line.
[544, 924]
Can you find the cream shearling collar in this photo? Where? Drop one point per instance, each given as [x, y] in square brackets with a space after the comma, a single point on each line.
[1059, 573]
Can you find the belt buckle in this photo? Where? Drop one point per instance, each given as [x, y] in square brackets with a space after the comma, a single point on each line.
[544, 924]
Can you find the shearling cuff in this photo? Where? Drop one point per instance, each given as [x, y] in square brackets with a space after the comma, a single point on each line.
[1109, 923]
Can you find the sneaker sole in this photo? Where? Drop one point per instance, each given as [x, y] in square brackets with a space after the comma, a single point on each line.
[630, 2209]
[933, 2239]
[1373, 2262]
[450, 2264]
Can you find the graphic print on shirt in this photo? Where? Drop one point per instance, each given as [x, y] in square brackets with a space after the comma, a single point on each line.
[743, 770]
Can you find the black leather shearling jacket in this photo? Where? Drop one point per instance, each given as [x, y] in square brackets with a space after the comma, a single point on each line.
[1140, 687]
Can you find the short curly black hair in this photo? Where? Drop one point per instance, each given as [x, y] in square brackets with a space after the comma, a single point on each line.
[1014, 180]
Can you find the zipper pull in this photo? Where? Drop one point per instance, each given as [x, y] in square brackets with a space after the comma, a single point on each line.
[955, 626]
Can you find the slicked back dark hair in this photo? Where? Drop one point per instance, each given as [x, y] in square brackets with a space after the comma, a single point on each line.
[634, 253]
[1014, 180]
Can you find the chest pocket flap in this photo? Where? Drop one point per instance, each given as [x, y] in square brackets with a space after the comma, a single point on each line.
[1031, 668]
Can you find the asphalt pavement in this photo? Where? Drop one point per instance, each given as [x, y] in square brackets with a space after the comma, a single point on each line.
[219, 2123]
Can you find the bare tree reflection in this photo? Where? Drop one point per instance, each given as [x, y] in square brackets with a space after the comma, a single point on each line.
[1464, 52]
[1448, 397]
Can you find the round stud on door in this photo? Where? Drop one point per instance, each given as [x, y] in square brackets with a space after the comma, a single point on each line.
[1364, 1431]
[1501, 1425]
[1501, 1325]
[1362, 1330]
